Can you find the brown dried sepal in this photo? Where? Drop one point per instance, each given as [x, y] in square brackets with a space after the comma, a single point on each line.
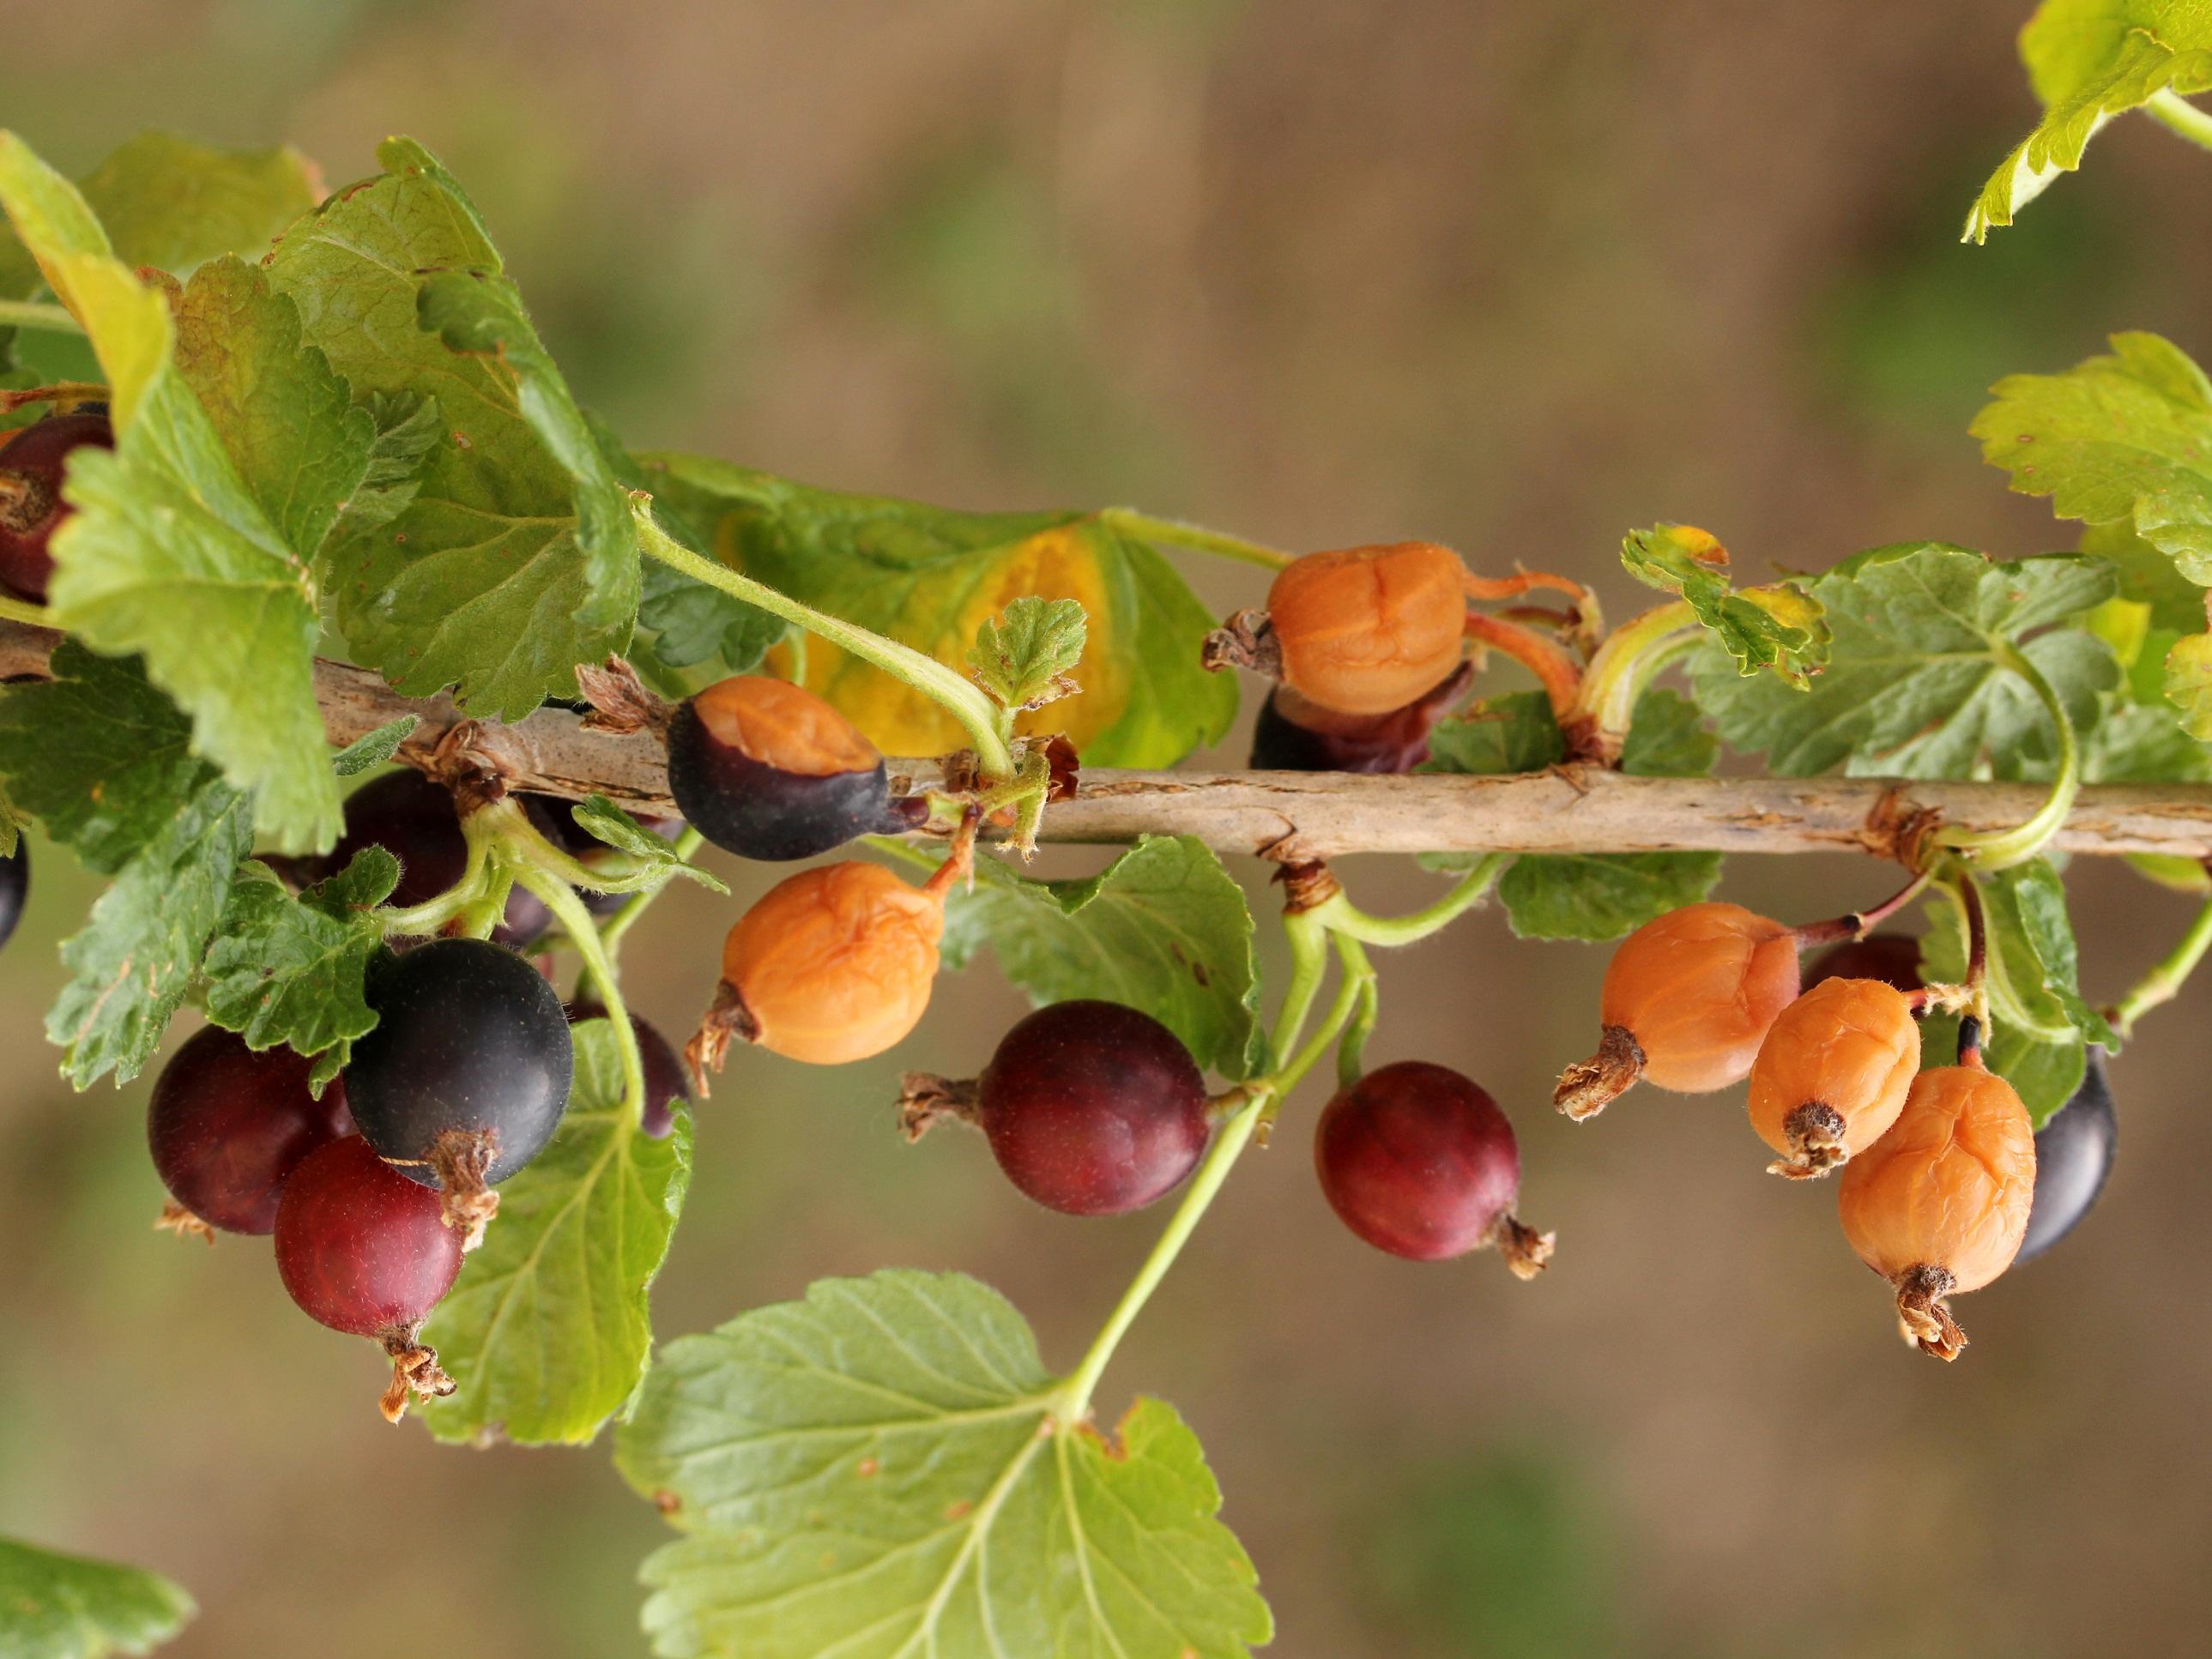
[461, 1159]
[414, 1371]
[1588, 739]
[478, 761]
[1923, 1315]
[1815, 1134]
[710, 1044]
[176, 1218]
[27, 500]
[1247, 639]
[1898, 829]
[1589, 1086]
[1527, 1251]
[925, 1098]
[620, 701]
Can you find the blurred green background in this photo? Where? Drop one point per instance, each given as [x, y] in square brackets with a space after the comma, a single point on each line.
[1515, 276]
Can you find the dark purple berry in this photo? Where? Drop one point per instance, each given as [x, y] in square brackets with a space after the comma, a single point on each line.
[15, 888]
[228, 1126]
[1293, 734]
[32, 466]
[2073, 1154]
[412, 817]
[1893, 958]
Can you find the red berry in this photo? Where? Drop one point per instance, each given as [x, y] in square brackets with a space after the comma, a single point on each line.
[1093, 1109]
[362, 1249]
[32, 466]
[1893, 958]
[228, 1126]
[1420, 1161]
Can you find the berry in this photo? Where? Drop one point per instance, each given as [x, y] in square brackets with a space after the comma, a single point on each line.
[228, 1126]
[412, 817]
[1295, 735]
[1420, 1161]
[1687, 1002]
[766, 769]
[1369, 629]
[1093, 1109]
[2073, 1154]
[464, 1077]
[364, 1250]
[32, 467]
[1893, 958]
[1939, 1205]
[15, 888]
[1832, 1073]
[665, 1082]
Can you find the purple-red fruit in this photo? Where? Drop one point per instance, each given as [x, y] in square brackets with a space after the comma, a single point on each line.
[1093, 1109]
[229, 1125]
[32, 466]
[1295, 734]
[666, 1084]
[2073, 1155]
[362, 1249]
[15, 888]
[1893, 958]
[1420, 1161]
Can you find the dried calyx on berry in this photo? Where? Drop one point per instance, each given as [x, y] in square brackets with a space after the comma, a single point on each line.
[1090, 1107]
[226, 1127]
[833, 964]
[1418, 1161]
[1295, 734]
[34, 461]
[1832, 1073]
[1939, 1206]
[766, 769]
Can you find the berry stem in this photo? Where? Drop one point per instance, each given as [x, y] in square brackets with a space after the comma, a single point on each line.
[1633, 656]
[1584, 619]
[584, 934]
[22, 610]
[977, 714]
[1309, 941]
[1554, 669]
[1174, 532]
[2001, 849]
[1359, 975]
[1341, 916]
[2179, 116]
[35, 314]
[619, 924]
[2163, 983]
[1859, 923]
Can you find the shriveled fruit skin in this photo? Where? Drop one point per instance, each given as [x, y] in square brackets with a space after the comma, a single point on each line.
[1093, 1108]
[834, 964]
[1367, 629]
[226, 1127]
[1417, 1160]
[362, 1249]
[1834, 1071]
[1697, 989]
[1950, 1186]
[1893, 958]
[2073, 1155]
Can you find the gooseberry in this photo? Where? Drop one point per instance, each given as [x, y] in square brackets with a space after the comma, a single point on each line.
[1294, 734]
[227, 1126]
[2073, 1154]
[1832, 1073]
[15, 888]
[32, 466]
[666, 1086]
[1369, 629]
[1893, 958]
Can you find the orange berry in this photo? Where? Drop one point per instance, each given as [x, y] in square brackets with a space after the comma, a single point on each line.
[1940, 1203]
[1367, 629]
[1832, 1074]
[1687, 1000]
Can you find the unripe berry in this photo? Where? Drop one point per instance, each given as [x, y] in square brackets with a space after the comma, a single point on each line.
[1940, 1203]
[1687, 1002]
[1420, 1161]
[33, 464]
[1367, 629]
[1832, 1074]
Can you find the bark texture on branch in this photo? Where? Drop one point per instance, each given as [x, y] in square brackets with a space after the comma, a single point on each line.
[1311, 815]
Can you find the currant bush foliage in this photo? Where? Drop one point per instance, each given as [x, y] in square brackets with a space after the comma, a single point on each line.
[63, 1607]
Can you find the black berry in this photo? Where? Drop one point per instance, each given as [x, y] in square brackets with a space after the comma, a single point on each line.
[2073, 1155]
[15, 888]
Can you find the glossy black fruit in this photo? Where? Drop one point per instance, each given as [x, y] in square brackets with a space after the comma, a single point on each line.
[1295, 735]
[469, 1039]
[2073, 1155]
[412, 817]
[766, 769]
[1093, 1109]
[1893, 958]
[15, 888]
[228, 1126]
[31, 465]
[667, 1086]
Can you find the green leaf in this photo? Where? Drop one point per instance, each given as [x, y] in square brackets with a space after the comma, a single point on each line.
[930, 578]
[2123, 440]
[2146, 575]
[290, 970]
[284, 419]
[408, 427]
[1514, 733]
[1667, 738]
[1600, 896]
[547, 1330]
[2089, 61]
[1023, 656]
[135, 959]
[1164, 928]
[1917, 684]
[127, 771]
[172, 204]
[168, 554]
[66, 1606]
[611, 824]
[886, 1467]
[1777, 626]
[2189, 684]
[374, 748]
[485, 577]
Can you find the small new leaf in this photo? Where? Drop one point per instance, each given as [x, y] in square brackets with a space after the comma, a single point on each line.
[1779, 627]
[887, 1467]
[1023, 656]
[290, 970]
[66, 1606]
[374, 748]
[611, 824]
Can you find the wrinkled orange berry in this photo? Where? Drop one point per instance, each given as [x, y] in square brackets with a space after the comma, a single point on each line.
[1832, 1074]
[1687, 1000]
[1367, 629]
[1940, 1203]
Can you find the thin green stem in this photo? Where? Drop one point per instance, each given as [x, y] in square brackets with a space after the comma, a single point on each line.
[1146, 528]
[1351, 1047]
[1309, 943]
[584, 934]
[2176, 114]
[2000, 849]
[964, 701]
[22, 610]
[1341, 916]
[1342, 1008]
[1629, 661]
[38, 315]
[2162, 983]
[619, 924]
